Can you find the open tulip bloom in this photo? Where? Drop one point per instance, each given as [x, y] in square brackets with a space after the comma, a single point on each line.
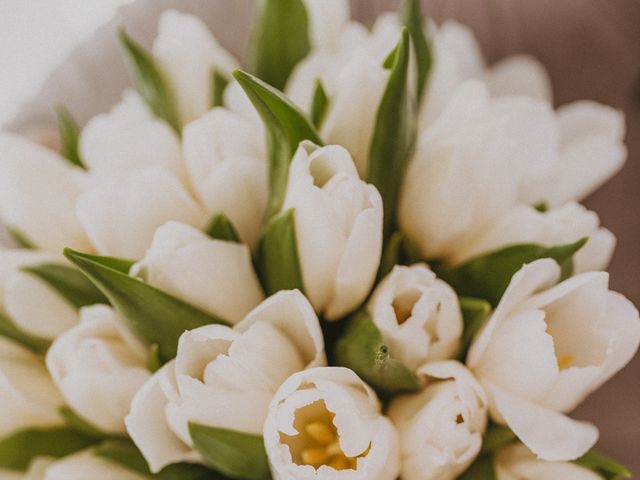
[357, 254]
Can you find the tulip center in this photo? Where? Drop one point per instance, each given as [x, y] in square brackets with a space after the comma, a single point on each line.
[565, 360]
[403, 305]
[318, 441]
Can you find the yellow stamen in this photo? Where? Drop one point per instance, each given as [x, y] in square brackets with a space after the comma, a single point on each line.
[321, 433]
[340, 463]
[565, 361]
[314, 456]
[334, 449]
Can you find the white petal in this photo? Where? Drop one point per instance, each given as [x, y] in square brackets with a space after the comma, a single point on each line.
[121, 217]
[327, 19]
[520, 75]
[86, 464]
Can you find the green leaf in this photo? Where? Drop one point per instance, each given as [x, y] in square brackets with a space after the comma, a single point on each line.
[487, 276]
[391, 254]
[19, 448]
[605, 466]
[69, 136]
[277, 255]
[70, 283]
[413, 20]
[497, 436]
[80, 425]
[319, 104]
[286, 126]
[21, 240]
[219, 82]
[221, 228]
[235, 454]
[280, 39]
[154, 362]
[394, 133]
[475, 313]
[361, 348]
[481, 469]
[152, 315]
[150, 81]
[125, 453]
[11, 331]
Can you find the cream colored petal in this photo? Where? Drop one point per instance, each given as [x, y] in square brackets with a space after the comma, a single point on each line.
[520, 75]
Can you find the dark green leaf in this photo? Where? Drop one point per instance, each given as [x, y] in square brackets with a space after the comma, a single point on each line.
[605, 466]
[221, 228]
[280, 39]
[475, 313]
[70, 283]
[277, 255]
[18, 449]
[497, 436]
[413, 20]
[394, 133]
[481, 469]
[154, 362]
[286, 126]
[69, 136]
[80, 425]
[487, 276]
[21, 240]
[391, 254]
[361, 348]
[9, 330]
[125, 453]
[219, 82]
[152, 315]
[319, 104]
[150, 81]
[235, 454]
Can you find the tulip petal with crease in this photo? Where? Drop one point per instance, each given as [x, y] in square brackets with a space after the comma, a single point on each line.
[86, 464]
[226, 163]
[188, 52]
[214, 275]
[97, 370]
[418, 315]
[519, 75]
[517, 462]
[38, 191]
[327, 20]
[326, 423]
[121, 216]
[441, 427]
[224, 377]
[128, 138]
[338, 227]
[546, 348]
[28, 397]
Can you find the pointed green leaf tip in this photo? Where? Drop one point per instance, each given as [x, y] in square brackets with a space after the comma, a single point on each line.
[319, 104]
[150, 81]
[362, 349]
[280, 39]
[152, 315]
[221, 228]
[285, 125]
[69, 136]
[219, 82]
[235, 454]
[475, 313]
[603, 465]
[394, 132]
[487, 276]
[412, 18]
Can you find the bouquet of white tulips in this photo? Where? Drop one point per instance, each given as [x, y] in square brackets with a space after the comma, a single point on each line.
[358, 255]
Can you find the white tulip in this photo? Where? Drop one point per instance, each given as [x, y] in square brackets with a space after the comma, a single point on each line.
[224, 377]
[127, 139]
[338, 227]
[467, 167]
[545, 348]
[31, 304]
[214, 275]
[121, 216]
[188, 52]
[225, 156]
[325, 423]
[441, 427]
[28, 397]
[516, 462]
[589, 152]
[519, 75]
[36, 470]
[38, 191]
[98, 370]
[327, 20]
[418, 315]
[562, 225]
[86, 464]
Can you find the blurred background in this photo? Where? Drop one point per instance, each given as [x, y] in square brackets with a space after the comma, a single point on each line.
[590, 47]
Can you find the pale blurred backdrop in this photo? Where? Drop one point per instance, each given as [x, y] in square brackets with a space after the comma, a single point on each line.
[591, 48]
